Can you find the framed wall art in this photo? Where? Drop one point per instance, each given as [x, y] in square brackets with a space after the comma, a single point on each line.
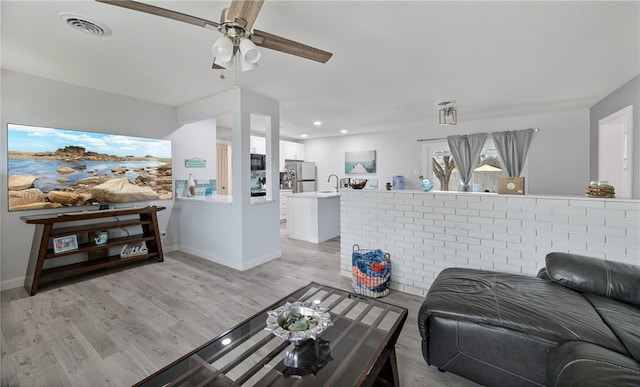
[361, 162]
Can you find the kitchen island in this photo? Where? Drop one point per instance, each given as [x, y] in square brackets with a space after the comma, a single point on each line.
[313, 216]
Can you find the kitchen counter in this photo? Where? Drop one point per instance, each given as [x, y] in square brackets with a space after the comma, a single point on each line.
[317, 194]
[313, 216]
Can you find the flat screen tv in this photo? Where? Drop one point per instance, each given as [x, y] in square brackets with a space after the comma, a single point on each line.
[54, 168]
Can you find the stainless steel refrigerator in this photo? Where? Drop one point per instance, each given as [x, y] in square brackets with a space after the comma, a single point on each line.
[303, 175]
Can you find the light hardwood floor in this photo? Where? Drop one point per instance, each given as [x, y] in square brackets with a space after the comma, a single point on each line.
[115, 327]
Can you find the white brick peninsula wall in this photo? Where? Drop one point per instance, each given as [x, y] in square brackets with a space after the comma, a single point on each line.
[425, 232]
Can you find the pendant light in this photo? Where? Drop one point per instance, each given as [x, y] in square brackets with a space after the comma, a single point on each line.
[447, 115]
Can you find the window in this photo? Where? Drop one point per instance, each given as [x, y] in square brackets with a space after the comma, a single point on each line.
[440, 168]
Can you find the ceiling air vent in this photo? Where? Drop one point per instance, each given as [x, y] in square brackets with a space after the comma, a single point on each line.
[84, 24]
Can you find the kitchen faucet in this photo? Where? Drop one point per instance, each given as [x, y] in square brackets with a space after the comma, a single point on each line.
[329, 180]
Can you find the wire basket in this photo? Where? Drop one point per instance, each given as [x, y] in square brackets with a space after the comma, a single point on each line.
[371, 271]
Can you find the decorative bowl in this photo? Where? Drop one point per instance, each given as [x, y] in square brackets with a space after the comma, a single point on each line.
[298, 321]
[359, 185]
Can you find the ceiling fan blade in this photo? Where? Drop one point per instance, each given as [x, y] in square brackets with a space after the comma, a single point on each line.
[274, 42]
[246, 10]
[153, 10]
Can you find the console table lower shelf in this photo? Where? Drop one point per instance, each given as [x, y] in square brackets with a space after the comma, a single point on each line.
[52, 229]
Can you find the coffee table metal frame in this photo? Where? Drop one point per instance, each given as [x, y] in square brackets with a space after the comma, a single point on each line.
[361, 348]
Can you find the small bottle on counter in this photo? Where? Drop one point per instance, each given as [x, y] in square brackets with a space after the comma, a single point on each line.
[191, 187]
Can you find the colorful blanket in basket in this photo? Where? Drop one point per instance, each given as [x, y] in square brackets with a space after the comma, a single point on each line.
[370, 281]
[371, 263]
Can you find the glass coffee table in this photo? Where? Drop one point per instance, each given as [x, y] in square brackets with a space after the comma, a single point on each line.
[358, 350]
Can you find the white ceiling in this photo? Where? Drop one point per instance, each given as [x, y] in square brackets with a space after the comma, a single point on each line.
[393, 60]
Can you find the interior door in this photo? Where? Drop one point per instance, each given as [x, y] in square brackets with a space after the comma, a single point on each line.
[615, 158]
[222, 169]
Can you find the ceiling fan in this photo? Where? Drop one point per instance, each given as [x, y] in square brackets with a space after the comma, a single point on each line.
[235, 25]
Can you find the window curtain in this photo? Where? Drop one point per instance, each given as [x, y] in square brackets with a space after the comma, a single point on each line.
[465, 151]
[512, 147]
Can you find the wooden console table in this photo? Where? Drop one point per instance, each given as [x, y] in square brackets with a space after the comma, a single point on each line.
[97, 256]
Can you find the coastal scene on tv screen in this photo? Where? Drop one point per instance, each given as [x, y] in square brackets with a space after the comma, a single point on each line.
[54, 168]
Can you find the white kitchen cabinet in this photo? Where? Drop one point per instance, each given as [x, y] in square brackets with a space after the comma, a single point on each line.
[290, 151]
[283, 203]
[294, 151]
[258, 145]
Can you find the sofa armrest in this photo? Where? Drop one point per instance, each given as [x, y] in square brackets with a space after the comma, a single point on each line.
[576, 363]
[615, 280]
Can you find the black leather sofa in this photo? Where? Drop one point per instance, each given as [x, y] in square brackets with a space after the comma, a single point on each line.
[576, 324]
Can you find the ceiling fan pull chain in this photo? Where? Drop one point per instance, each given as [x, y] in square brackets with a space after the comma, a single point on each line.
[235, 73]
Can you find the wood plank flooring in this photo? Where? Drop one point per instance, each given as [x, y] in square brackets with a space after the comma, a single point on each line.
[115, 327]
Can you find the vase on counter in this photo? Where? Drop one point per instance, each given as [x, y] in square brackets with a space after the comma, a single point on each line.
[426, 184]
[191, 187]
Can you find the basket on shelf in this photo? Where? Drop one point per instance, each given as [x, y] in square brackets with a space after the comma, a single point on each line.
[600, 189]
[371, 271]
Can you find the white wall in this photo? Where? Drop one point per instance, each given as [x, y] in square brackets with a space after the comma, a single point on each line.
[41, 102]
[240, 234]
[558, 160]
[194, 140]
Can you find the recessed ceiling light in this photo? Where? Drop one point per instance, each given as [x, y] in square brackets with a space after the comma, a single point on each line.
[317, 123]
[343, 131]
[304, 136]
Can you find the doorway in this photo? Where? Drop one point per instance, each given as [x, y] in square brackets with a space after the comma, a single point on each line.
[615, 151]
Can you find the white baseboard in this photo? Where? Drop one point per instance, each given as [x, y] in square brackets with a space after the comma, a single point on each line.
[261, 260]
[12, 283]
[170, 248]
[229, 262]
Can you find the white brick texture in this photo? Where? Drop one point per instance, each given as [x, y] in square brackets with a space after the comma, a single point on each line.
[427, 232]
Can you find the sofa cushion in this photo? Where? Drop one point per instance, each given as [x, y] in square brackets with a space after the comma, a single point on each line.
[576, 363]
[623, 319]
[520, 303]
[587, 274]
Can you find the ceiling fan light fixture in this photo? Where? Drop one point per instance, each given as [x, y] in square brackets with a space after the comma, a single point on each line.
[226, 65]
[246, 66]
[249, 51]
[447, 115]
[235, 25]
[223, 49]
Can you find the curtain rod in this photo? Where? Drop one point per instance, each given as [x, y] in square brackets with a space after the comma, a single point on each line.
[444, 138]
